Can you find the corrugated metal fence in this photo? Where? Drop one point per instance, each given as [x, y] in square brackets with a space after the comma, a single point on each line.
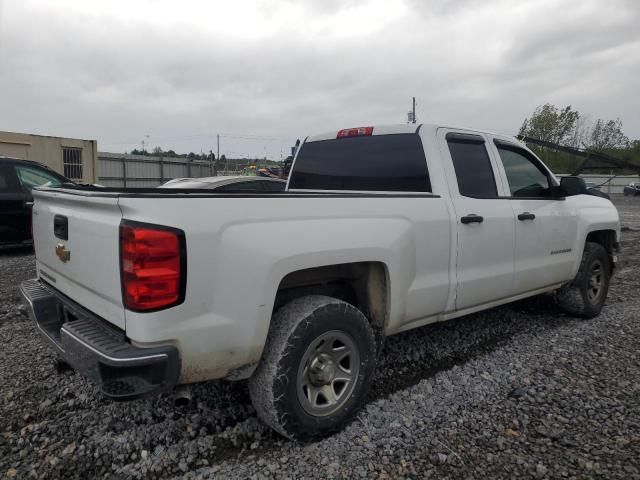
[120, 170]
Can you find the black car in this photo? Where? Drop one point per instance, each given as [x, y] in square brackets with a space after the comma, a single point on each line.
[632, 189]
[17, 179]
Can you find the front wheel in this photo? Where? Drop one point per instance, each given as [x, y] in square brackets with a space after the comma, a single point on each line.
[316, 368]
[586, 294]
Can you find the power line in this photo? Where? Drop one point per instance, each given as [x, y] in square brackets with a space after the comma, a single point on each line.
[256, 137]
[205, 135]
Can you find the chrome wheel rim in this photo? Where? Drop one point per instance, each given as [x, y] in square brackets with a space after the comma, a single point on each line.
[328, 373]
[596, 282]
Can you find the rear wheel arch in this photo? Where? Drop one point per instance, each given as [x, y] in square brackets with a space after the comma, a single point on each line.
[365, 285]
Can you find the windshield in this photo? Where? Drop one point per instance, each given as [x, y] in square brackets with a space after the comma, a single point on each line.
[31, 177]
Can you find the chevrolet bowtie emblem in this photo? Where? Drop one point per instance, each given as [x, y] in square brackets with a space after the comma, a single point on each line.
[62, 253]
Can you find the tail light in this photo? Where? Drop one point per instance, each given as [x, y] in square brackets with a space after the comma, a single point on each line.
[355, 132]
[153, 261]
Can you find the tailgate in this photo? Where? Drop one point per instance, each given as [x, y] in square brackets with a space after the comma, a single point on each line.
[91, 274]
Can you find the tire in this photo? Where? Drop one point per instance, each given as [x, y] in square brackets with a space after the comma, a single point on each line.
[585, 295]
[300, 367]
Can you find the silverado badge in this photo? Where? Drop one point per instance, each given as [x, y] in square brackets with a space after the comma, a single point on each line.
[63, 254]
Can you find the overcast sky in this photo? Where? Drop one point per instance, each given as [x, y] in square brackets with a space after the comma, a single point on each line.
[263, 73]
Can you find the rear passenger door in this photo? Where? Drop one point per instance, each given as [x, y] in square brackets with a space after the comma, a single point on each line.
[484, 222]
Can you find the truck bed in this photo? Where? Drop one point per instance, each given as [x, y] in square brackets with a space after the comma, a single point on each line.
[239, 248]
[149, 192]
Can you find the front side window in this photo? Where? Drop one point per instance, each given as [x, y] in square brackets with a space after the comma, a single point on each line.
[394, 163]
[37, 177]
[472, 165]
[525, 177]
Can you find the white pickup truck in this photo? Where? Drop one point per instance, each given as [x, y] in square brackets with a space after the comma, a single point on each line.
[380, 230]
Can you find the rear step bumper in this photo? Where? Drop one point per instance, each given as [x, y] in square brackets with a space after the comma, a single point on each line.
[97, 350]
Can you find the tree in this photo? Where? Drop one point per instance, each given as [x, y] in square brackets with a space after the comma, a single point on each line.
[608, 135]
[566, 126]
[157, 151]
[552, 124]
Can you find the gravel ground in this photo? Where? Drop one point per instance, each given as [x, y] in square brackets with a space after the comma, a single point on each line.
[517, 391]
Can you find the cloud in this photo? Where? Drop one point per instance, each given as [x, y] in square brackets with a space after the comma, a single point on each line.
[183, 72]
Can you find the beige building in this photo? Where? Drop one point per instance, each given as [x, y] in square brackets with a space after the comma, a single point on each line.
[76, 159]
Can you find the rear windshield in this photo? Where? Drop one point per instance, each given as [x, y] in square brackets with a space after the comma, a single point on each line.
[376, 163]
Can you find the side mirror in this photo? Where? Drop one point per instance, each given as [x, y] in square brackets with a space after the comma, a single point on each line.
[573, 186]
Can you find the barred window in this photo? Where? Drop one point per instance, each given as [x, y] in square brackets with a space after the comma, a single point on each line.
[72, 160]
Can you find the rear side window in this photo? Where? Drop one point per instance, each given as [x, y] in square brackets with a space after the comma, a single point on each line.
[8, 180]
[472, 166]
[369, 163]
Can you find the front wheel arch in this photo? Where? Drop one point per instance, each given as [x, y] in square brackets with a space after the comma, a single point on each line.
[576, 298]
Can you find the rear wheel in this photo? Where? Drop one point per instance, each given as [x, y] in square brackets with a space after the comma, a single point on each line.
[585, 296]
[316, 368]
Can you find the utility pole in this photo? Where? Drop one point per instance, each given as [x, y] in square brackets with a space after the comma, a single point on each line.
[212, 164]
[413, 116]
[218, 152]
[147, 137]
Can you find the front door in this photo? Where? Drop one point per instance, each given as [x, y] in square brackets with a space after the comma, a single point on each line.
[485, 222]
[546, 227]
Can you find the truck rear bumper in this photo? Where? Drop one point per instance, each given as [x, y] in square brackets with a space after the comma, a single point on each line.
[97, 350]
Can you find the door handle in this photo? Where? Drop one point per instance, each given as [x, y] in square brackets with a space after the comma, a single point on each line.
[472, 218]
[526, 216]
[28, 204]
